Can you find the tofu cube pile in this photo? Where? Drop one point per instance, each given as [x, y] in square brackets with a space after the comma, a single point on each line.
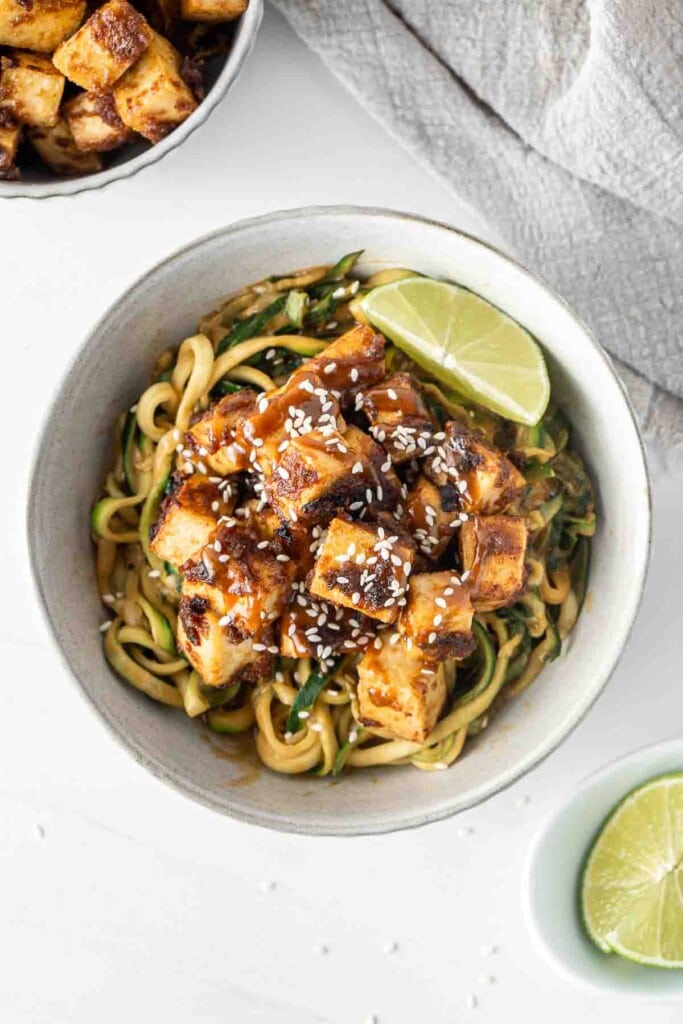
[330, 517]
[133, 80]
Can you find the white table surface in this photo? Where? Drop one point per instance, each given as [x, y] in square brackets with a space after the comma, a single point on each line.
[120, 900]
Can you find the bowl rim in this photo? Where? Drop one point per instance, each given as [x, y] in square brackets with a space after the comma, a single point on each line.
[235, 59]
[639, 756]
[272, 819]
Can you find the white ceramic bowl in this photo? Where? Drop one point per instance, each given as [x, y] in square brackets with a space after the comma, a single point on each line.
[112, 368]
[554, 870]
[221, 72]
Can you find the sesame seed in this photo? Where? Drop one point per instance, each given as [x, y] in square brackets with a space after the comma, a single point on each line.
[395, 638]
[465, 576]
[354, 374]
[108, 598]
[330, 368]
[355, 597]
[283, 472]
[355, 505]
[105, 626]
[438, 619]
[440, 766]
[259, 647]
[357, 467]
[304, 714]
[224, 558]
[154, 574]
[439, 602]
[282, 558]
[431, 638]
[215, 505]
[392, 394]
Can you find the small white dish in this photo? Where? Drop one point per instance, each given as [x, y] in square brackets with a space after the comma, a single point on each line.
[553, 874]
[221, 72]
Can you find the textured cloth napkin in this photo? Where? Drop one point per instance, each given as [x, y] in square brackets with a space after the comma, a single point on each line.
[561, 122]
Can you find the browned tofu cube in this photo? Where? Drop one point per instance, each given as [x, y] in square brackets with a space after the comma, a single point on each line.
[301, 405]
[213, 435]
[212, 653]
[353, 362]
[313, 628]
[30, 88]
[56, 148]
[314, 479]
[152, 97]
[438, 615]
[39, 24]
[212, 10]
[487, 480]
[399, 417]
[187, 519]
[113, 38]
[492, 550]
[385, 487]
[242, 578]
[401, 692]
[433, 515]
[363, 566]
[10, 136]
[94, 122]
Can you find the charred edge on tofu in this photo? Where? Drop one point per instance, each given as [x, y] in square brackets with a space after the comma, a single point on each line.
[355, 482]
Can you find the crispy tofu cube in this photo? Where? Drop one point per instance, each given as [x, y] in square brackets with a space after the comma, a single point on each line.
[213, 435]
[212, 653]
[487, 480]
[10, 136]
[353, 362]
[152, 97]
[212, 10]
[40, 24]
[302, 404]
[187, 519]
[438, 615]
[312, 628]
[492, 550]
[401, 692]
[399, 417]
[379, 473]
[94, 122]
[56, 148]
[363, 566]
[30, 88]
[433, 515]
[113, 38]
[247, 585]
[314, 479]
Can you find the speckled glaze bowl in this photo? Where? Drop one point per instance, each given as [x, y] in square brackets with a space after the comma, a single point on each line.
[221, 72]
[160, 310]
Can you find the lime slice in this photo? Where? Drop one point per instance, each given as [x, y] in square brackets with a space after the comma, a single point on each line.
[632, 885]
[465, 342]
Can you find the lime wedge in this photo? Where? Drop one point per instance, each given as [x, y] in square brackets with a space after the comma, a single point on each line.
[632, 885]
[465, 342]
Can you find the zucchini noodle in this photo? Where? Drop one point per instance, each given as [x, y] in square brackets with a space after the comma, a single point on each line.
[256, 338]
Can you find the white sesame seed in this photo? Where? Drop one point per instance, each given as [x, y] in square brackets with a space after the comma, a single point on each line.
[262, 544]
[108, 598]
[330, 368]
[224, 558]
[438, 619]
[283, 558]
[440, 766]
[355, 598]
[259, 647]
[354, 374]
[431, 638]
[105, 626]
[392, 394]
[304, 714]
